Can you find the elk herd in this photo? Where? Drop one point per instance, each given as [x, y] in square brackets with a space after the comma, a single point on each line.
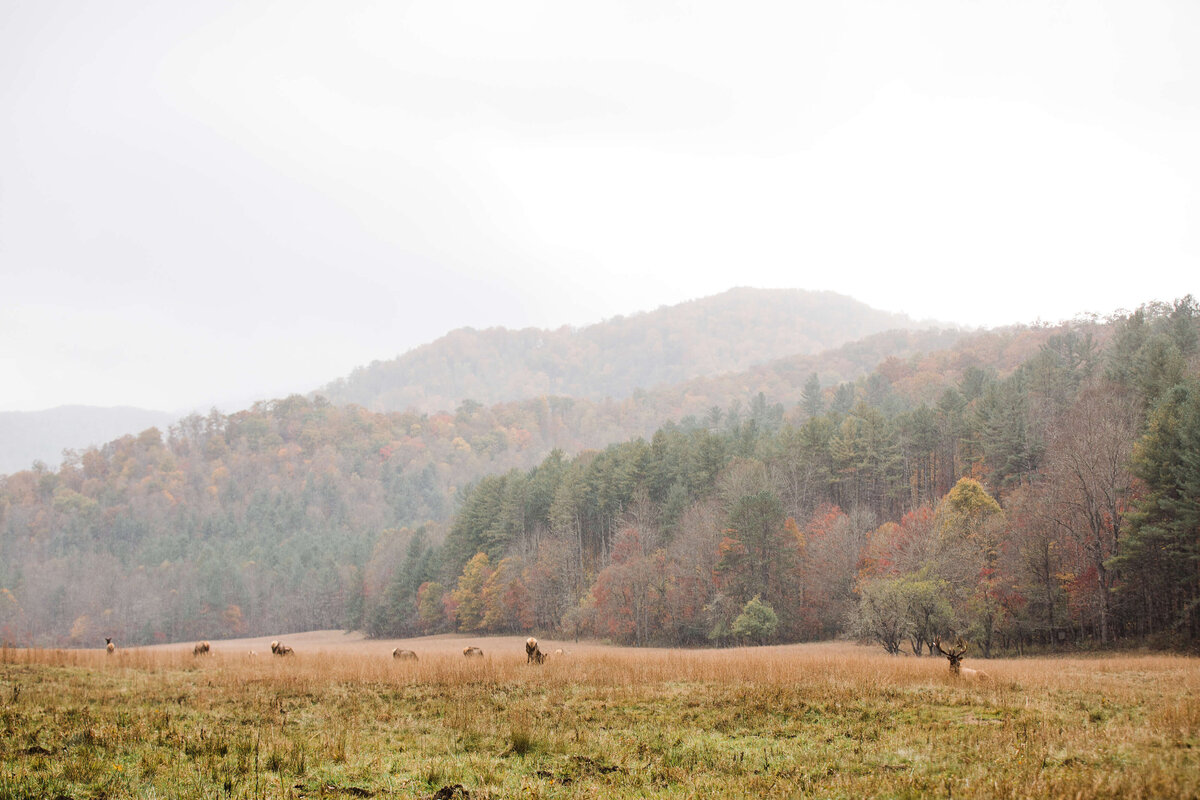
[535, 655]
[533, 652]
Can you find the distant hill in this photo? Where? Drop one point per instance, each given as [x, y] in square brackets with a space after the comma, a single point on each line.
[726, 333]
[29, 436]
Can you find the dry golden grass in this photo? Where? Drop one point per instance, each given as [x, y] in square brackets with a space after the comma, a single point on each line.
[828, 720]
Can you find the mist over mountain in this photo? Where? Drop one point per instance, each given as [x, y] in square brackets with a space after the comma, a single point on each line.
[711, 339]
[725, 333]
[29, 436]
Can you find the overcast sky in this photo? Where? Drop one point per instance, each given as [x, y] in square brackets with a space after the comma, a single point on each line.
[221, 201]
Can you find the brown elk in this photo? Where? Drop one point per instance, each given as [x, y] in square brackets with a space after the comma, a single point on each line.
[404, 655]
[109, 646]
[282, 649]
[201, 649]
[473, 652]
[533, 653]
[955, 654]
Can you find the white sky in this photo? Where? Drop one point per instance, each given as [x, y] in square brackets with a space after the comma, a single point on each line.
[218, 202]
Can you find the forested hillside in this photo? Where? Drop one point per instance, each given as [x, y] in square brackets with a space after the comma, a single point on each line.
[725, 333]
[1056, 504]
[831, 502]
[273, 517]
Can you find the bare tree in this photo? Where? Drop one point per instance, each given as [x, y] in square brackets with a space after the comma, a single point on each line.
[1088, 479]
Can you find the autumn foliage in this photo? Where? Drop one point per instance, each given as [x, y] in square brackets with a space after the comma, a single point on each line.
[1023, 488]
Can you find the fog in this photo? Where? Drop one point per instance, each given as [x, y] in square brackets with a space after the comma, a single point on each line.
[213, 203]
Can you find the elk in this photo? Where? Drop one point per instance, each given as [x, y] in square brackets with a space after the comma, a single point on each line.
[282, 649]
[404, 655]
[533, 653]
[472, 652]
[109, 646]
[955, 654]
[201, 649]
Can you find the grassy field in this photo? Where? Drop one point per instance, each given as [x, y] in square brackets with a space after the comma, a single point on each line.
[828, 720]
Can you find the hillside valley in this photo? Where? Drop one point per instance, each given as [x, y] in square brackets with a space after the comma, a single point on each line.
[804, 484]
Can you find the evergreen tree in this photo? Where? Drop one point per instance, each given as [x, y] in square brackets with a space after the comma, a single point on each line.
[1161, 552]
[812, 402]
[843, 398]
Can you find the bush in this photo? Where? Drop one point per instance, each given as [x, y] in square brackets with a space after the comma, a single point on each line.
[757, 622]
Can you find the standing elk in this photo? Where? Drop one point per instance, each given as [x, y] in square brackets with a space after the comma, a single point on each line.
[282, 649]
[404, 655]
[201, 649]
[109, 647]
[533, 653]
[473, 652]
[955, 654]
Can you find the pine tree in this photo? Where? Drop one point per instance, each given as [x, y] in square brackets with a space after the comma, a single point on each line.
[1162, 551]
[812, 402]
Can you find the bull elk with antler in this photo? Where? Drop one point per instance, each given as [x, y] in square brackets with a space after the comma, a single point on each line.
[955, 654]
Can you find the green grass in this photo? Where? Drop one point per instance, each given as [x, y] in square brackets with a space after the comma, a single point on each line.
[822, 722]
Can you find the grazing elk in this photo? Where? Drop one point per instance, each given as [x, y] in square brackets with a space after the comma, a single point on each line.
[473, 652]
[404, 655]
[201, 649]
[533, 653]
[955, 654]
[109, 646]
[282, 649]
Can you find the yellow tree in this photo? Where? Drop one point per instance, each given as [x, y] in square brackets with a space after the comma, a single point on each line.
[468, 596]
[970, 526]
[506, 605]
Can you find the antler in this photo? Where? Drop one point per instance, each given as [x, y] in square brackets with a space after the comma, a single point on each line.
[959, 648]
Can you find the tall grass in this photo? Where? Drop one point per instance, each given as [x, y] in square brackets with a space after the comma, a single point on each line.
[829, 720]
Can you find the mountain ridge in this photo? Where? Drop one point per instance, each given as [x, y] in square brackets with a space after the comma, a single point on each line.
[718, 334]
[705, 341]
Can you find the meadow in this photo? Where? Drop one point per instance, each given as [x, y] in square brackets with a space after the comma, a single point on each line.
[833, 720]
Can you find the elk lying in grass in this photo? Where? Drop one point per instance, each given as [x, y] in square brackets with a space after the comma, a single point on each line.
[955, 654]
[109, 646]
[533, 653]
[201, 649]
[473, 652]
[404, 655]
[282, 649]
